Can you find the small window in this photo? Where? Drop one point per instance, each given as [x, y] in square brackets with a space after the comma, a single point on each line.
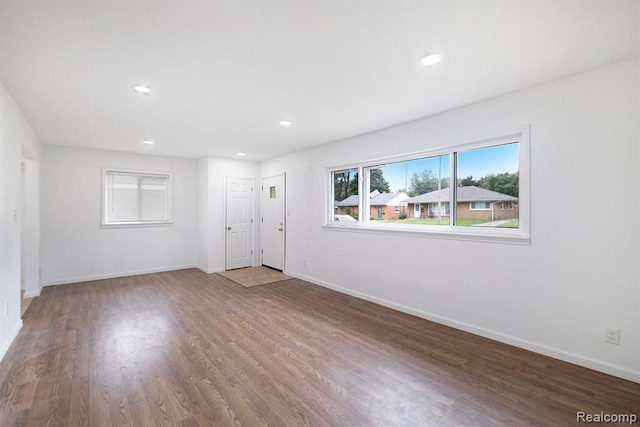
[132, 198]
[441, 208]
[480, 206]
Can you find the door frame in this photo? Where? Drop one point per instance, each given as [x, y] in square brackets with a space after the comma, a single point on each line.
[30, 225]
[284, 217]
[253, 222]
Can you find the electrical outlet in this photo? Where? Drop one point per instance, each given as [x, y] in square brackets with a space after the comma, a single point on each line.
[304, 263]
[612, 336]
[6, 309]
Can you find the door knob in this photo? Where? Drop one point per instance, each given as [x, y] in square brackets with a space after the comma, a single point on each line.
[281, 227]
[228, 228]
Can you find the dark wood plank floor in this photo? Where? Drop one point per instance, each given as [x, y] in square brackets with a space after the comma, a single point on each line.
[190, 349]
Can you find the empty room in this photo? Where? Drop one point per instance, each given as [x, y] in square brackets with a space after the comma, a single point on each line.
[319, 212]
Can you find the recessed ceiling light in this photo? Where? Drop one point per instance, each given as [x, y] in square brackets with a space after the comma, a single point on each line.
[241, 153]
[142, 89]
[431, 59]
[147, 142]
[285, 123]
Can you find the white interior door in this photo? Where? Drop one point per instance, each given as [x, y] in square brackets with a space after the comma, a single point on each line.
[273, 223]
[239, 223]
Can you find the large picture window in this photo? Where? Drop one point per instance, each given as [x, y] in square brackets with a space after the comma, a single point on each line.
[474, 188]
[132, 198]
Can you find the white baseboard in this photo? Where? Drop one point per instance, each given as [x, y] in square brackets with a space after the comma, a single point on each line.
[4, 347]
[31, 294]
[577, 359]
[116, 275]
[210, 270]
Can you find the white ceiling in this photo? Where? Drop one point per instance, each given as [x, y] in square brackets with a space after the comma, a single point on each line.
[224, 73]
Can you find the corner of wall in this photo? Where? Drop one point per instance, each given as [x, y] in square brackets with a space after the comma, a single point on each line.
[6, 343]
[210, 270]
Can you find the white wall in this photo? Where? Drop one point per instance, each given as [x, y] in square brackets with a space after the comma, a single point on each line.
[204, 224]
[75, 247]
[212, 172]
[15, 133]
[555, 296]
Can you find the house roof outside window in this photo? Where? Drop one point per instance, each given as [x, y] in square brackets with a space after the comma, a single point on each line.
[465, 194]
[377, 199]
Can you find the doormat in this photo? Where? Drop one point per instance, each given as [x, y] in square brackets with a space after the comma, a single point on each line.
[254, 276]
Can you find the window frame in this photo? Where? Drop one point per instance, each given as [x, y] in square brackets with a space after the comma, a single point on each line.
[444, 206]
[168, 221]
[520, 235]
[472, 206]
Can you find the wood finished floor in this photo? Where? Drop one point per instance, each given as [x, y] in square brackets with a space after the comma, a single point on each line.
[189, 349]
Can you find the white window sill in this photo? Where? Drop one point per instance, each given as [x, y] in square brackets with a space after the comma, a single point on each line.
[508, 236]
[137, 224]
